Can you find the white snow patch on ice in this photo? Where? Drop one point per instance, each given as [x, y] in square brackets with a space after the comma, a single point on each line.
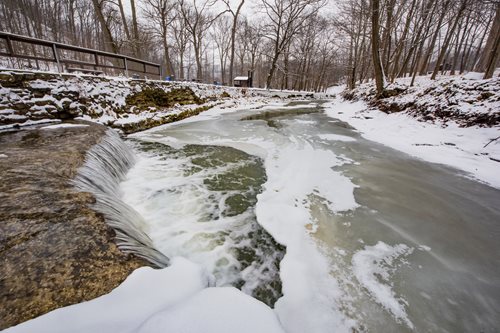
[373, 267]
[64, 126]
[304, 122]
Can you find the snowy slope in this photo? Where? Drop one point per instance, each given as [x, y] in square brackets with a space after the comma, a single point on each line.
[473, 149]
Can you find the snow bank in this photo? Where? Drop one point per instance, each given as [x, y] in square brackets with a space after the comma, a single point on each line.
[466, 99]
[172, 299]
[216, 310]
[470, 149]
[64, 126]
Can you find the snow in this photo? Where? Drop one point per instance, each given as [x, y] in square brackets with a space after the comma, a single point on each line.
[64, 126]
[215, 310]
[29, 123]
[3, 156]
[241, 78]
[459, 147]
[373, 267]
[305, 273]
[336, 137]
[155, 300]
[297, 173]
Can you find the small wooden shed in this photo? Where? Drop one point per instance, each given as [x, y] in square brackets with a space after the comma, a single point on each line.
[243, 81]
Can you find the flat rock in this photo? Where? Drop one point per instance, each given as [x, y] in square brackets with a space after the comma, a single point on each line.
[54, 249]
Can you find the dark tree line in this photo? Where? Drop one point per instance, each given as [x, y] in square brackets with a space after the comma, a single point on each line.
[287, 44]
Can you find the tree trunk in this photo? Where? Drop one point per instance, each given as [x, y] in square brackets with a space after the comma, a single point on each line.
[233, 40]
[493, 59]
[399, 49]
[124, 20]
[444, 48]
[377, 64]
[490, 53]
[109, 43]
[137, 48]
[425, 60]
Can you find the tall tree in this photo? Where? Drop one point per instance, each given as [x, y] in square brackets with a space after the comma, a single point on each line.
[235, 14]
[135, 29]
[377, 62]
[448, 37]
[490, 56]
[109, 42]
[198, 20]
[285, 21]
[159, 15]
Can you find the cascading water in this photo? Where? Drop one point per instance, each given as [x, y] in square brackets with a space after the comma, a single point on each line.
[196, 202]
[199, 203]
[105, 167]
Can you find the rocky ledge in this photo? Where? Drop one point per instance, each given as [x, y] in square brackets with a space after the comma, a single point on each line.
[54, 249]
[28, 98]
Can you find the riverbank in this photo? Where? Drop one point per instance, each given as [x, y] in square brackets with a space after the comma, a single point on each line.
[29, 98]
[451, 121]
[54, 249]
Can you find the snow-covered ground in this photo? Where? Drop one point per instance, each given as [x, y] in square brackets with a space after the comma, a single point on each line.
[473, 149]
[174, 299]
[470, 149]
[179, 298]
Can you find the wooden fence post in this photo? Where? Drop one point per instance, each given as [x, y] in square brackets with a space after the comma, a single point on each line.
[56, 57]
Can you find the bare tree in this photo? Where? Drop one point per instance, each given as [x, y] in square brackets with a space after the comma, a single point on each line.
[109, 42]
[285, 21]
[222, 38]
[180, 36]
[159, 15]
[235, 14]
[377, 62]
[198, 20]
[491, 53]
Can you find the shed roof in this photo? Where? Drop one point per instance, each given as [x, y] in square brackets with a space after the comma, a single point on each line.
[241, 78]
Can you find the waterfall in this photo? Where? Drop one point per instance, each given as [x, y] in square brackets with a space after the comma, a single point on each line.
[106, 165]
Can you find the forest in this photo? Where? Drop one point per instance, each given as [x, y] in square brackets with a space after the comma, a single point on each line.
[287, 44]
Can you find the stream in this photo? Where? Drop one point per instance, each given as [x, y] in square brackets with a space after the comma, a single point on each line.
[336, 232]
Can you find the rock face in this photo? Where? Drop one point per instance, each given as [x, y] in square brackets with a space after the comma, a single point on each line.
[54, 250]
[117, 102]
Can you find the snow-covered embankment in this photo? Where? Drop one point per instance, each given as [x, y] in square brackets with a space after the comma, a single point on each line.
[467, 140]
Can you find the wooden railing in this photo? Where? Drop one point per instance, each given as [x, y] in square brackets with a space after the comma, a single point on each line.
[58, 54]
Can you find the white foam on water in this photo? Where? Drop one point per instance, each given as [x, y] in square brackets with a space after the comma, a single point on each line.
[296, 170]
[373, 267]
[311, 296]
[188, 217]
